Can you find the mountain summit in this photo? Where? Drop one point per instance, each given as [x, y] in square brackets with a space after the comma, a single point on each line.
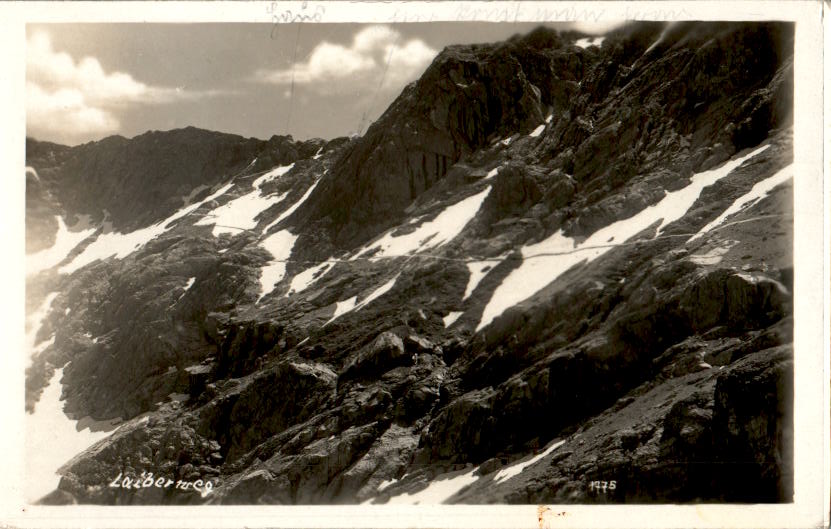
[557, 269]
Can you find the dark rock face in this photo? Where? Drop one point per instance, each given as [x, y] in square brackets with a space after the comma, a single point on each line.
[268, 404]
[735, 300]
[750, 423]
[463, 427]
[662, 361]
[244, 348]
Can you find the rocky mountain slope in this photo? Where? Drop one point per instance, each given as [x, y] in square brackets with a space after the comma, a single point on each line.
[547, 267]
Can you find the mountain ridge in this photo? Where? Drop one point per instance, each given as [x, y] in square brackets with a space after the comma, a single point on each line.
[537, 245]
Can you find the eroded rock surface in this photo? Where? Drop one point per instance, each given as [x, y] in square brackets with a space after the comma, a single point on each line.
[347, 349]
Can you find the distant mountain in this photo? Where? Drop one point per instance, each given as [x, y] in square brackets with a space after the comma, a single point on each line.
[141, 180]
[553, 262]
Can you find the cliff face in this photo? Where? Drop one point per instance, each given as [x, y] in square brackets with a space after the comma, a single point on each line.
[545, 265]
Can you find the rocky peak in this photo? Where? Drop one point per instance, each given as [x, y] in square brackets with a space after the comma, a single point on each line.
[676, 96]
[467, 98]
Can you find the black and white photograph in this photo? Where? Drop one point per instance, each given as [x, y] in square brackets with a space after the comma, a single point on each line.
[490, 261]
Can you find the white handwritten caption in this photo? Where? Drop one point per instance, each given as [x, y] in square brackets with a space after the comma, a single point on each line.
[146, 480]
[602, 486]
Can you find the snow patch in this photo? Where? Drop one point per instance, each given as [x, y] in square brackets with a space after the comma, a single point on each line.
[386, 484]
[547, 260]
[120, 245]
[537, 131]
[279, 245]
[478, 270]
[293, 208]
[432, 234]
[65, 242]
[186, 287]
[42, 347]
[377, 293]
[52, 439]
[341, 308]
[714, 256]
[439, 490]
[451, 318]
[239, 214]
[491, 173]
[35, 321]
[585, 42]
[271, 175]
[301, 281]
[187, 210]
[756, 193]
[514, 470]
[349, 305]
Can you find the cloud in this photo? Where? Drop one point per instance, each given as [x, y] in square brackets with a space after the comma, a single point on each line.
[362, 63]
[64, 114]
[73, 101]
[598, 28]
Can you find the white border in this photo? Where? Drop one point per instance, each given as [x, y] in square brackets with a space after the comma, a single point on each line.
[811, 272]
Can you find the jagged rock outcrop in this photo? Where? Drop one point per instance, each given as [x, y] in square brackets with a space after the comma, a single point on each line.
[383, 354]
[266, 404]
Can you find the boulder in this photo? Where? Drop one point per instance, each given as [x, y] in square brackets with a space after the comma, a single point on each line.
[198, 378]
[384, 353]
[560, 190]
[737, 299]
[418, 345]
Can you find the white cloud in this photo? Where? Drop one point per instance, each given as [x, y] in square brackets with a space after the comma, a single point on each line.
[70, 101]
[64, 114]
[409, 60]
[374, 37]
[360, 63]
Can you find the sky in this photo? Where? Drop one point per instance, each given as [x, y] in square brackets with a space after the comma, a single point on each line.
[88, 81]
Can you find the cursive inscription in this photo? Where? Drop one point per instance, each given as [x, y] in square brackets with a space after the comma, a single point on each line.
[147, 480]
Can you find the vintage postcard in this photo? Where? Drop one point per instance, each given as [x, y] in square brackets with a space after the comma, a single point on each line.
[416, 264]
